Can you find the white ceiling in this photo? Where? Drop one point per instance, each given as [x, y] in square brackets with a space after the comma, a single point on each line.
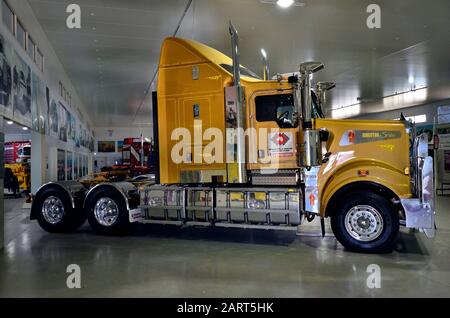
[112, 58]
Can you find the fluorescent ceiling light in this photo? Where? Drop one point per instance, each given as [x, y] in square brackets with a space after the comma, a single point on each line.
[9, 122]
[285, 3]
[263, 53]
[24, 128]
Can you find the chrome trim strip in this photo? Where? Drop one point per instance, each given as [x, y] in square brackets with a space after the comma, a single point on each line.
[257, 227]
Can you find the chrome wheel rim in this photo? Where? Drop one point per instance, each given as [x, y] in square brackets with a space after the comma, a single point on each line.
[53, 210]
[106, 211]
[364, 223]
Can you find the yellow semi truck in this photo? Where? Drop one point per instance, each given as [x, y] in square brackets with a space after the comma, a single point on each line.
[239, 151]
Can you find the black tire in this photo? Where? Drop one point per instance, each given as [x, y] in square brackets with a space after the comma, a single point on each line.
[121, 224]
[71, 219]
[383, 236]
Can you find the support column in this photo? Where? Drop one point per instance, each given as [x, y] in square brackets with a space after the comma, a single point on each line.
[38, 161]
[2, 174]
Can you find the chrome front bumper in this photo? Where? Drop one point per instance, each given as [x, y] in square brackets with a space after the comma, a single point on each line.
[420, 212]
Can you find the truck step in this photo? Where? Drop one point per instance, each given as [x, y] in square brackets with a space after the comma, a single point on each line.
[167, 222]
[257, 226]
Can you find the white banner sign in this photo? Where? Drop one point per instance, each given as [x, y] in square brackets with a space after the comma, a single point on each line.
[444, 141]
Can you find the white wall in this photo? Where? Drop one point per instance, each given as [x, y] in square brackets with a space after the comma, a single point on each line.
[17, 137]
[430, 110]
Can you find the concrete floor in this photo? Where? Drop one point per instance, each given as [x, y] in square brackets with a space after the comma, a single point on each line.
[163, 261]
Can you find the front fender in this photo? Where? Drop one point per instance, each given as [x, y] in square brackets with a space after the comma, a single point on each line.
[378, 173]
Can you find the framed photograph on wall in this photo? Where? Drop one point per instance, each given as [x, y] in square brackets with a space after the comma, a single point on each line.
[22, 91]
[61, 160]
[106, 146]
[69, 165]
[75, 166]
[6, 80]
[119, 145]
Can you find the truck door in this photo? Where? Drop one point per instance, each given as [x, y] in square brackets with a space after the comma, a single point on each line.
[272, 116]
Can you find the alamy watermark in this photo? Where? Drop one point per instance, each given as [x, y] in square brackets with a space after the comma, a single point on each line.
[215, 145]
[73, 281]
[373, 281]
[374, 19]
[73, 21]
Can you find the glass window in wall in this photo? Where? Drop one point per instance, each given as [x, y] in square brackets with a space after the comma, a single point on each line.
[8, 17]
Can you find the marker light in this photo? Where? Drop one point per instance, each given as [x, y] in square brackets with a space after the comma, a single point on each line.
[351, 136]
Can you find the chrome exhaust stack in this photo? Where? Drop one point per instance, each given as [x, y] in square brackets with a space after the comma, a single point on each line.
[235, 55]
[321, 89]
[311, 154]
[235, 118]
[266, 73]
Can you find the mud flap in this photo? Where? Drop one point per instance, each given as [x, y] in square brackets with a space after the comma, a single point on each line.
[420, 212]
[136, 215]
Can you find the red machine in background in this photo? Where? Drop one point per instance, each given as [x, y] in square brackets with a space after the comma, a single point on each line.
[17, 152]
[132, 158]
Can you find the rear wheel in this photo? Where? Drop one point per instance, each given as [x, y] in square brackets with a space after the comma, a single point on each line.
[107, 213]
[365, 222]
[55, 213]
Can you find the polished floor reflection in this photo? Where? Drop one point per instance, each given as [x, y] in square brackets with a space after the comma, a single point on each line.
[161, 261]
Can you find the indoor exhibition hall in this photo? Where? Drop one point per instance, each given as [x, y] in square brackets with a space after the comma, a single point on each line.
[224, 149]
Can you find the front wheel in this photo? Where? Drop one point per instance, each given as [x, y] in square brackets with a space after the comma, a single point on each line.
[365, 222]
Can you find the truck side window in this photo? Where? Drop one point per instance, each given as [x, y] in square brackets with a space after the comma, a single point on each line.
[277, 108]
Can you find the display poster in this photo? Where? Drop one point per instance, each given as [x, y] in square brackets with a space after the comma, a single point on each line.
[69, 165]
[6, 62]
[106, 146]
[443, 114]
[444, 141]
[44, 112]
[447, 161]
[62, 119]
[21, 91]
[53, 116]
[75, 166]
[80, 165]
[78, 138]
[85, 169]
[119, 145]
[37, 97]
[92, 143]
[61, 160]
[72, 128]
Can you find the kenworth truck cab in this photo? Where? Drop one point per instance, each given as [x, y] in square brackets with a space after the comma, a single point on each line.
[238, 151]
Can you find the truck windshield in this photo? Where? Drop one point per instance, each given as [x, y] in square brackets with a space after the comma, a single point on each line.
[244, 71]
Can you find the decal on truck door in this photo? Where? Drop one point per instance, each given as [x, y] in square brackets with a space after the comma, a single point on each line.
[280, 144]
[353, 137]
